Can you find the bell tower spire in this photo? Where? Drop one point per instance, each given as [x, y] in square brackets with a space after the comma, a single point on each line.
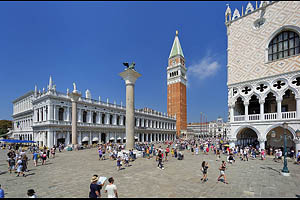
[176, 81]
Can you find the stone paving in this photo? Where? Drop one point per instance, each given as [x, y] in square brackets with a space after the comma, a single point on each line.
[69, 173]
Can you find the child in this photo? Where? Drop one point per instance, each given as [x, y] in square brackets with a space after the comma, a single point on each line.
[119, 163]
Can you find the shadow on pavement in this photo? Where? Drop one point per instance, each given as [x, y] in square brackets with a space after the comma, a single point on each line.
[270, 168]
[3, 173]
[30, 174]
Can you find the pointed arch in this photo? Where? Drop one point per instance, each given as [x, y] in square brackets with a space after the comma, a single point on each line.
[290, 88]
[236, 14]
[244, 127]
[292, 131]
[249, 8]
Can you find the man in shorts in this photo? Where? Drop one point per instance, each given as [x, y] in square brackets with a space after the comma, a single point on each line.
[11, 164]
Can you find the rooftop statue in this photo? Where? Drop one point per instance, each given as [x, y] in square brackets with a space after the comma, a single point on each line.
[129, 66]
[74, 85]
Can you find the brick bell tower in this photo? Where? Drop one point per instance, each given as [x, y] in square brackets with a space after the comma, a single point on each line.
[176, 80]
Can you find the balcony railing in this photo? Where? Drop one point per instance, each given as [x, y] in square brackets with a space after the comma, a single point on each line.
[289, 115]
[239, 118]
[267, 116]
[270, 116]
[253, 117]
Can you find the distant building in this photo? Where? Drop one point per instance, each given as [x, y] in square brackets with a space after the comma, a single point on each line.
[213, 129]
[45, 117]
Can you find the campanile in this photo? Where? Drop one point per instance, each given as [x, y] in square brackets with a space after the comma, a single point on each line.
[176, 80]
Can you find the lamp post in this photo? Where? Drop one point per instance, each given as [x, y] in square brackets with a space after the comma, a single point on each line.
[285, 170]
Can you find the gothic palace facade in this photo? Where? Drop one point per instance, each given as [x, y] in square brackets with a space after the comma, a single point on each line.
[264, 73]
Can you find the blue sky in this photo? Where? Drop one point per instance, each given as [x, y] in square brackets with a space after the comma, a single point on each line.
[87, 42]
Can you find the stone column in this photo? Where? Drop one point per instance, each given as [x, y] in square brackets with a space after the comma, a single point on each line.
[54, 112]
[231, 110]
[50, 139]
[68, 138]
[75, 95]
[278, 108]
[261, 110]
[246, 104]
[90, 138]
[297, 144]
[130, 76]
[298, 108]
[114, 119]
[54, 137]
[107, 117]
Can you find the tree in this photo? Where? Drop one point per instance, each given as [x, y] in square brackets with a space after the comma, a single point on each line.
[4, 126]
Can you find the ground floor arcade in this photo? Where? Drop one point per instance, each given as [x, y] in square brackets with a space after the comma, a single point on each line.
[266, 135]
[52, 137]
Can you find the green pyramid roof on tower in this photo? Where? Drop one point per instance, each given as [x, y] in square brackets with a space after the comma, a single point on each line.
[176, 48]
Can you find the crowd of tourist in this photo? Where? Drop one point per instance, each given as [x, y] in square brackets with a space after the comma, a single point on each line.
[160, 152]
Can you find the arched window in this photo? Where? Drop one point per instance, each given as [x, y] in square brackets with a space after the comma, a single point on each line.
[84, 114]
[283, 45]
[61, 114]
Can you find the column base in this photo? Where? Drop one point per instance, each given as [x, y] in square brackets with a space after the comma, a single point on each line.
[285, 173]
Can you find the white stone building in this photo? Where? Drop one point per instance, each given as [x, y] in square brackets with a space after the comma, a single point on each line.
[264, 73]
[213, 129]
[46, 116]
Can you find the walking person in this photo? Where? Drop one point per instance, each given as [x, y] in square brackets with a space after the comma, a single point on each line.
[35, 158]
[100, 153]
[119, 164]
[31, 193]
[11, 164]
[95, 188]
[1, 192]
[44, 158]
[204, 171]
[19, 167]
[111, 189]
[159, 158]
[53, 152]
[222, 171]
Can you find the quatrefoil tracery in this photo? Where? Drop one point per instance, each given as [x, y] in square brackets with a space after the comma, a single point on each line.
[279, 84]
[246, 90]
[296, 82]
[261, 87]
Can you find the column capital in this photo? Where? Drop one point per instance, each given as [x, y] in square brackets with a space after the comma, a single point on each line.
[246, 103]
[279, 99]
[261, 139]
[297, 140]
[74, 96]
[261, 101]
[130, 76]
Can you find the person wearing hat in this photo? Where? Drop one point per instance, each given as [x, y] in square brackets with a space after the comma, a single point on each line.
[31, 193]
[95, 188]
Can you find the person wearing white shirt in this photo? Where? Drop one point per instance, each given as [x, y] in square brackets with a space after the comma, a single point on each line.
[111, 189]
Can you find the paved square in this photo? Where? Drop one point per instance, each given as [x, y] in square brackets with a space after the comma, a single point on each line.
[69, 173]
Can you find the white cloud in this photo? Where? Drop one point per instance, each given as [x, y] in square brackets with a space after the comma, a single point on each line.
[206, 67]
